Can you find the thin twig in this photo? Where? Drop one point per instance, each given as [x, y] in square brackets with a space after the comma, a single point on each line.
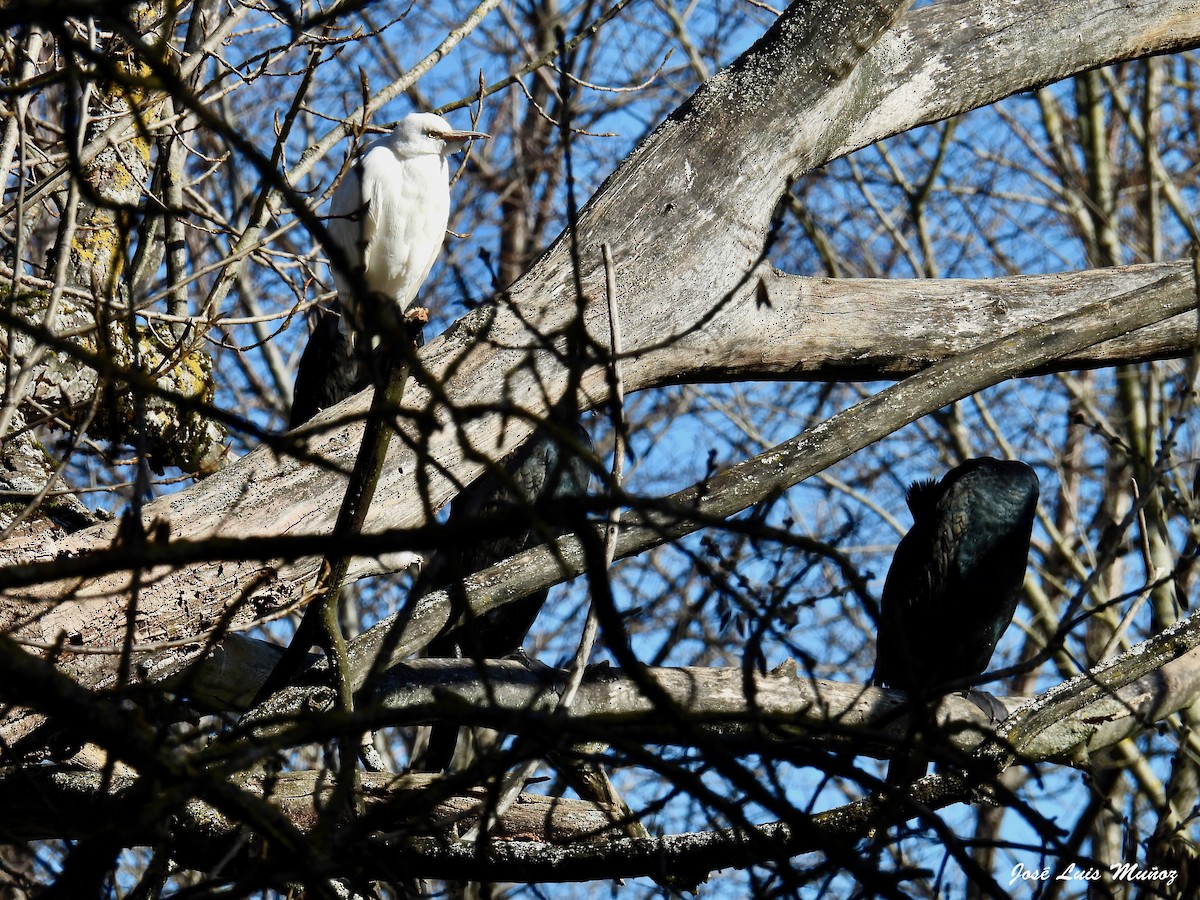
[612, 523]
[515, 782]
[1154, 577]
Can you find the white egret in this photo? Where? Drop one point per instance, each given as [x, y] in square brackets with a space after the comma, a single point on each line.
[389, 216]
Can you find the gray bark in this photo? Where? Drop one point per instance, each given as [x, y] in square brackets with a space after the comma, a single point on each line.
[687, 215]
[780, 706]
[31, 804]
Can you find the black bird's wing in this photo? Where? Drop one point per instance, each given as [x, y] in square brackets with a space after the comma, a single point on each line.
[524, 505]
[329, 370]
[917, 585]
[334, 367]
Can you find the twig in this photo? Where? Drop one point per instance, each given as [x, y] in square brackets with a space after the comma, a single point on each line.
[320, 624]
[1154, 577]
[515, 783]
[612, 524]
[591, 781]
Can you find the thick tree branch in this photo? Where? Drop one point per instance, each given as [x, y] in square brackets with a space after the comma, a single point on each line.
[821, 329]
[32, 801]
[1103, 705]
[782, 706]
[1122, 696]
[689, 258]
[686, 856]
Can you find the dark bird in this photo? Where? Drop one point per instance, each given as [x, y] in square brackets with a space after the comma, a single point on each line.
[329, 370]
[332, 368]
[954, 582]
[530, 502]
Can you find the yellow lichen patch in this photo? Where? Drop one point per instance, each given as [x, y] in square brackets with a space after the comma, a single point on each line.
[173, 431]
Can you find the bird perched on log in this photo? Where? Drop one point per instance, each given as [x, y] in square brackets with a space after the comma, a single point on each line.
[954, 582]
[387, 223]
[531, 499]
[388, 217]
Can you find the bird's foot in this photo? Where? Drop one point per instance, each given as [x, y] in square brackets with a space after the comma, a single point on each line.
[536, 666]
[519, 655]
[393, 563]
[996, 711]
[417, 314]
[543, 674]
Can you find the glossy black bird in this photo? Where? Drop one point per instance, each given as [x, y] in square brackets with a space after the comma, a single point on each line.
[955, 580]
[331, 369]
[532, 504]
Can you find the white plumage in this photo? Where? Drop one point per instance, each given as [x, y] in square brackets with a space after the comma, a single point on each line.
[389, 214]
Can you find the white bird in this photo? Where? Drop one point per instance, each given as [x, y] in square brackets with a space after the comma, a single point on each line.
[389, 216]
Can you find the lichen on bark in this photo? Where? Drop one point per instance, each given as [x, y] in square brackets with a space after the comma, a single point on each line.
[169, 432]
[63, 382]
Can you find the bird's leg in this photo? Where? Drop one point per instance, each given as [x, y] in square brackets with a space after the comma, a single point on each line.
[417, 314]
[536, 666]
[369, 755]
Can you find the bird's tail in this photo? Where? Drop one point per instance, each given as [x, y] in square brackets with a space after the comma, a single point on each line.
[910, 757]
[438, 751]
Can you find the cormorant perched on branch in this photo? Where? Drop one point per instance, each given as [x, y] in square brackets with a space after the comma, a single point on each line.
[528, 505]
[954, 582]
[544, 471]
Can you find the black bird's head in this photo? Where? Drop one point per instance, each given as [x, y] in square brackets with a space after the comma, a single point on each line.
[996, 494]
[995, 490]
[989, 504]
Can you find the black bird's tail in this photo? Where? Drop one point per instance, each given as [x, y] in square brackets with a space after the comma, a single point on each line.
[439, 750]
